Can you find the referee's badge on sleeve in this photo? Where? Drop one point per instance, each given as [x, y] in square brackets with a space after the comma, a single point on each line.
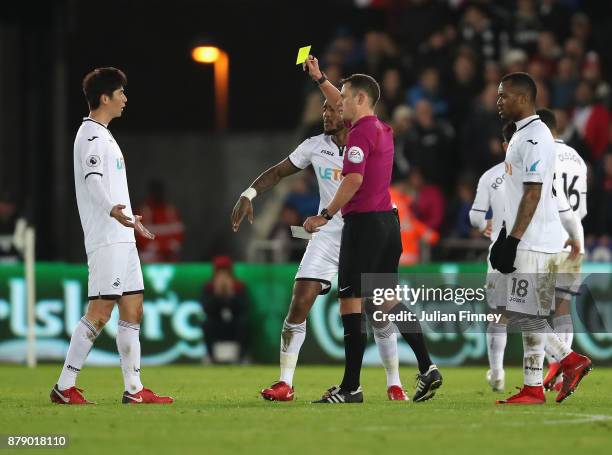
[355, 155]
[93, 161]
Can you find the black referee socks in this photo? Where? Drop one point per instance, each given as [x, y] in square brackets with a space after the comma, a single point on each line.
[355, 339]
[411, 332]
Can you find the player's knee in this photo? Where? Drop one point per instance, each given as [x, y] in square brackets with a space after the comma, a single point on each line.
[98, 318]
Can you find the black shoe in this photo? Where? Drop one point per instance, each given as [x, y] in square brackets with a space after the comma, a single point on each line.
[338, 395]
[427, 384]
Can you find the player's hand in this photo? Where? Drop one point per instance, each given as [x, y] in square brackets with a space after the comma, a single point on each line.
[313, 223]
[142, 230]
[243, 207]
[311, 65]
[575, 245]
[487, 231]
[117, 213]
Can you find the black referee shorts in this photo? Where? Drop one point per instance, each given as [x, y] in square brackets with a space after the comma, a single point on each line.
[371, 243]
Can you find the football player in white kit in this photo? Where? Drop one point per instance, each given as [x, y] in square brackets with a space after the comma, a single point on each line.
[108, 224]
[319, 264]
[571, 185]
[490, 196]
[529, 254]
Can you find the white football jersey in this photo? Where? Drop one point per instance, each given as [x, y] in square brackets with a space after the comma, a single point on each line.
[531, 158]
[96, 152]
[571, 181]
[490, 194]
[326, 158]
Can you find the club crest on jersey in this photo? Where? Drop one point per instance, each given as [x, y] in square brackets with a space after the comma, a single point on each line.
[93, 160]
[355, 155]
[120, 164]
[508, 167]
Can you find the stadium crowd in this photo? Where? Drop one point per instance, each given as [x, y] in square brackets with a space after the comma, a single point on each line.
[439, 64]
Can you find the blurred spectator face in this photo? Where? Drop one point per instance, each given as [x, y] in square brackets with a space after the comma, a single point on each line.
[607, 164]
[402, 119]
[391, 84]
[515, 60]
[415, 179]
[547, 45]
[424, 113]
[332, 120]
[584, 94]
[581, 27]
[312, 109]
[562, 120]
[537, 70]
[591, 71]
[437, 40]
[373, 43]
[7, 209]
[543, 96]
[334, 73]
[463, 69]
[430, 80]
[465, 191]
[566, 69]
[525, 8]
[492, 74]
[488, 97]
[475, 18]
[574, 48]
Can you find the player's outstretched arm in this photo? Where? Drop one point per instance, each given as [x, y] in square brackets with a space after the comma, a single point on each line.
[331, 93]
[267, 180]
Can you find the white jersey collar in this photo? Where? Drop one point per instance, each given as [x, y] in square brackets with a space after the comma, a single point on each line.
[527, 120]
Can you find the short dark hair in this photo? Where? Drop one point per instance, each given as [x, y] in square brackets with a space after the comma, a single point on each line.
[524, 81]
[366, 83]
[508, 131]
[102, 81]
[548, 117]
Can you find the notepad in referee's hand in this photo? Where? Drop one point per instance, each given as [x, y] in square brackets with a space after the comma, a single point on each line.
[300, 233]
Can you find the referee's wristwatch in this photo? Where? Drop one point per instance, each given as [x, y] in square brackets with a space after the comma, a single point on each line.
[325, 214]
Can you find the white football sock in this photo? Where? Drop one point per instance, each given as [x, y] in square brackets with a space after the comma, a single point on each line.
[81, 342]
[292, 338]
[386, 341]
[533, 357]
[565, 329]
[128, 345]
[497, 335]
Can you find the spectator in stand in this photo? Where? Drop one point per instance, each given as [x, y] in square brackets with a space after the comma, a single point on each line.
[564, 83]
[574, 48]
[392, 92]
[402, 124]
[605, 212]
[438, 49]
[225, 304]
[526, 26]
[458, 212]
[492, 73]
[413, 231]
[478, 31]
[304, 196]
[291, 249]
[464, 87]
[567, 132]
[163, 220]
[592, 120]
[428, 88]
[429, 145]
[515, 60]
[591, 73]
[427, 199]
[548, 53]
[479, 144]
[311, 116]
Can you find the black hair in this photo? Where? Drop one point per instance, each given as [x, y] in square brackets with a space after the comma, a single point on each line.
[523, 81]
[366, 83]
[548, 117]
[102, 81]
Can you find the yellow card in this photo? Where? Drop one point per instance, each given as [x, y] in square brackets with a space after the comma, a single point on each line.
[303, 54]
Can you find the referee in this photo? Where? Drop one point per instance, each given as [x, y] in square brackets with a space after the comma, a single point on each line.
[371, 241]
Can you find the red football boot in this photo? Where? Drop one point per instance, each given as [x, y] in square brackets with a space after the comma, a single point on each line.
[554, 371]
[575, 367]
[68, 396]
[145, 396]
[279, 391]
[527, 395]
[396, 393]
[558, 386]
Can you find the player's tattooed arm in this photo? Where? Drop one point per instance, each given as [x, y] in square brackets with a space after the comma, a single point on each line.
[275, 174]
[527, 207]
[267, 180]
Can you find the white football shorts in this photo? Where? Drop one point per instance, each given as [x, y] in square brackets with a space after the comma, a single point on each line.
[114, 270]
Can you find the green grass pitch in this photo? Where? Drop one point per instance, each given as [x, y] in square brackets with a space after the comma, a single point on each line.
[218, 410]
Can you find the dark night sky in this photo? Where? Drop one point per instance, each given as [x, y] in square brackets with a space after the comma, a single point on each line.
[151, 42]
